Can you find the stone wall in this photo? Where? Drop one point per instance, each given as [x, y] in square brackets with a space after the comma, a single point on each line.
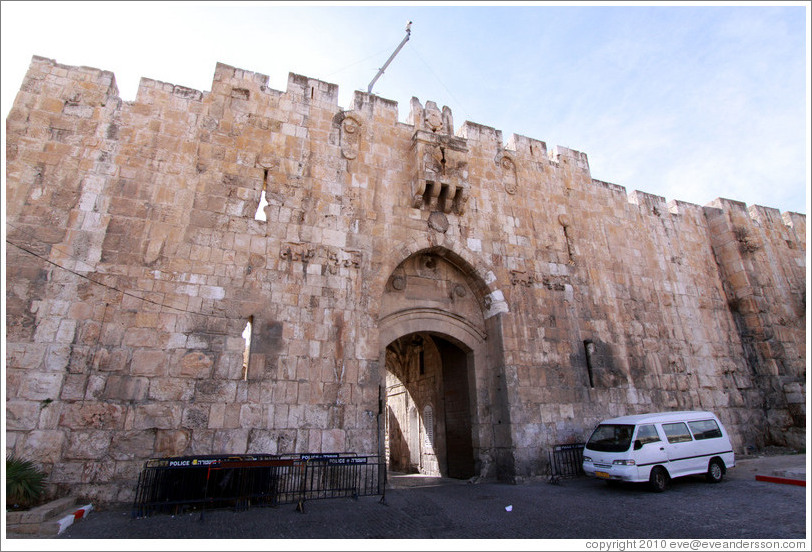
[135, 260]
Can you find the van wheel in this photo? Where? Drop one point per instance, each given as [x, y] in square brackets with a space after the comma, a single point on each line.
[658, 479]
[716, 471]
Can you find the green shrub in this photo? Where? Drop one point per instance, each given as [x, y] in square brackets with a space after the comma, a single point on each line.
[24, 483]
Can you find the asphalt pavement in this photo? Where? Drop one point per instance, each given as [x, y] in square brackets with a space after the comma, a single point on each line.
[419, 507]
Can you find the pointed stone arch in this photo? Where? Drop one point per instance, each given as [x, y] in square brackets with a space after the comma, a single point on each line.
[452, 298]
[481, 274]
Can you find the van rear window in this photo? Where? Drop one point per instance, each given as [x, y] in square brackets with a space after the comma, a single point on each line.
[705, 429]
[611, 438]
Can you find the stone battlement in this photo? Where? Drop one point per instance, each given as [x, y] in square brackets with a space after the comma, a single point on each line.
[240, 84]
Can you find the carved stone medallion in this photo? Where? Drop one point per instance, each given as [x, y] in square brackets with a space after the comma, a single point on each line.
[438, 222]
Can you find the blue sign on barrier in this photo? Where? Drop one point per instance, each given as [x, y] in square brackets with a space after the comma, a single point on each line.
[344, 461]
[319, 456]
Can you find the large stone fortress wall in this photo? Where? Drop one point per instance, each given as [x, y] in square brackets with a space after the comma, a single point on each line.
[135, 261]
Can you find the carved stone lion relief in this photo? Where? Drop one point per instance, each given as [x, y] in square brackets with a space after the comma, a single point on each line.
[510, 178]
[351, 127]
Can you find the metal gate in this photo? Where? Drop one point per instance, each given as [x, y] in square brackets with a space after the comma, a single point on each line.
[173, 485]
[566, 461]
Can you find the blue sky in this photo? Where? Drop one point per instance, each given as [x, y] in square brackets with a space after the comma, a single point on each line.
[687, 101]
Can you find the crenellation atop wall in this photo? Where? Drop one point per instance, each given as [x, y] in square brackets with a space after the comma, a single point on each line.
[224, 73]
[649, 203]
[677, 207]
[79, 88]
[485, 137]
[376, 108]
[797, 222]
[565, 155]
[765, 215]
[530, 148]
[309, 90]
[729, 205]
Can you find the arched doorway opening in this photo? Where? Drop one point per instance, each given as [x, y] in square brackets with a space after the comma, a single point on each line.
[437, 312]
[428, 408]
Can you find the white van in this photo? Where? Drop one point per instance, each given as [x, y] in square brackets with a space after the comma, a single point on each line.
[657, 447]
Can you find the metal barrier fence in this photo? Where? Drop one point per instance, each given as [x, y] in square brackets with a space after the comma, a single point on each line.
[566, 461]
[172, 485]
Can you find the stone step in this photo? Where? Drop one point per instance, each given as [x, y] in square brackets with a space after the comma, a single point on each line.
[42, 521]
[42, 512]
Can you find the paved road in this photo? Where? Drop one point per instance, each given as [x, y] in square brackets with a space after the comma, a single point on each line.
[424, 508]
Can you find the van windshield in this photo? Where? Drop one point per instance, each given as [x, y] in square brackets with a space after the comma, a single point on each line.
[611, 438]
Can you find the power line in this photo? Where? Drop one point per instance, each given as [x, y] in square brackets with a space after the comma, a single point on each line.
[353, 64]
[62, 251]
[453, 97]
[108, 286]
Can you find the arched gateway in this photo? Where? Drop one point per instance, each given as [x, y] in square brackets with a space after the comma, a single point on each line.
[443, 387]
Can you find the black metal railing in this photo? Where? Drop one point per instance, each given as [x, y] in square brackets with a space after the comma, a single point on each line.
[566, 461]
[173, 485]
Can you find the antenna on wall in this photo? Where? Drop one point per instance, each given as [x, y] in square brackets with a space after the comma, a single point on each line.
[388, 61]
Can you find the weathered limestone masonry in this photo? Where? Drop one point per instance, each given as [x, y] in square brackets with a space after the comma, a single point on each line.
[414, 286]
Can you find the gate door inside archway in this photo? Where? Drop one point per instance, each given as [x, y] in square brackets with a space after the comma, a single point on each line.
[428, 409]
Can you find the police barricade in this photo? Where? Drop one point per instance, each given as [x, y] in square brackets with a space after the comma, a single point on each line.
[566, 461]
[174, 485]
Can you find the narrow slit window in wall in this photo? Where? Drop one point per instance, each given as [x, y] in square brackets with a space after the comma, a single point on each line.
[422, 361]
[589, 347]
[246, 354]
[263, 201]
[428, 424]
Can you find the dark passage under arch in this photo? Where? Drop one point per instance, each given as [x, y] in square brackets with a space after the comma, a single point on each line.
[429, 427]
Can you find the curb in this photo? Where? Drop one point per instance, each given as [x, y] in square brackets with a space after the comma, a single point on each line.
[784, 480]
[68, 520]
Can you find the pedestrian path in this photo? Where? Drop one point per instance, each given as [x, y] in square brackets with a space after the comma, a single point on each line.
[781, 468]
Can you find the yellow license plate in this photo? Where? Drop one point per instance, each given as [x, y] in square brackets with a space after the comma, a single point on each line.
[603, 475]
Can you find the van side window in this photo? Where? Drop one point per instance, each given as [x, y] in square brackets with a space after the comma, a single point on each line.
[705, 429]
[647, 434]
[677, 432]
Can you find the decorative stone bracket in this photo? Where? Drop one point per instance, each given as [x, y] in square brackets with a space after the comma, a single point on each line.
[550, 281]
[333, 257]
[439, 161]
[440, 177]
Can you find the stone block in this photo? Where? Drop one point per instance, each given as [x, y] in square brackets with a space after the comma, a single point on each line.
[262, 441]
[251, 416]
[171, 442]
[233, 441]
[87, 445]
[170, 389]
[215, 391]
[40, 386]
[196, 417]
[333, 440]
[43, 446]
[22, 415]
[126, 388]
[139, 337]
[28, 357]
[196, 365]
[132, 445]
[92, 415]
[148, 363]
[57, 357]
[157, 416]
